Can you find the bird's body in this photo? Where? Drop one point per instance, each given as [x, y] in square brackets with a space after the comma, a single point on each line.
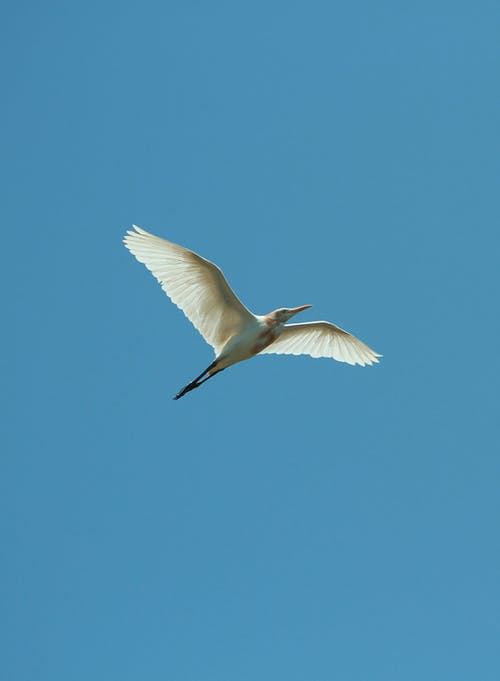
[253, 338]
[200, 290]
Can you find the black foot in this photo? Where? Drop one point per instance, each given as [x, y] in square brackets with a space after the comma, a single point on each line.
[186, 389]
[197, 382]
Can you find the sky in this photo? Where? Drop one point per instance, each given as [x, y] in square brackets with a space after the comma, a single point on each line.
[294, 518]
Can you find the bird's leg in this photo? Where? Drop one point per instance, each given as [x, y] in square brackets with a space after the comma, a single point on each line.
[195, 383]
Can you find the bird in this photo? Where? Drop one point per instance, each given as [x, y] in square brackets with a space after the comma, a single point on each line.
[199, 288]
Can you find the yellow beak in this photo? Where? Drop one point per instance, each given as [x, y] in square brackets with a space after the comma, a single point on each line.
[295, 310]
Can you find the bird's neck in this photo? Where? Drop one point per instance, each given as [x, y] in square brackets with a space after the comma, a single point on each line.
[270, 322]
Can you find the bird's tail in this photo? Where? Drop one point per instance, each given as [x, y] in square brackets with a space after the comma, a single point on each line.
[198, 380]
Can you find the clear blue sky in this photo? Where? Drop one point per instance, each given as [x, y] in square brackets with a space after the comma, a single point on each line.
[293, 519]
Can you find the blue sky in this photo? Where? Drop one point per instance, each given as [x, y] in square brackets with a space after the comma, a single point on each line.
[294, 518]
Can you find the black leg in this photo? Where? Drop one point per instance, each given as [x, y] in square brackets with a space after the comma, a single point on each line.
[197, 382]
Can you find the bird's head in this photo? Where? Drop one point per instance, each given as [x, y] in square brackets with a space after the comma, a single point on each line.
[283, 314]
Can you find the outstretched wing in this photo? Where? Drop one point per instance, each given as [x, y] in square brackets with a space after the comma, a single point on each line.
[321, 339]
[195, 285]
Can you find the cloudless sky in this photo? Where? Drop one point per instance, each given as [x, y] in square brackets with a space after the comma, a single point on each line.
[294, 518]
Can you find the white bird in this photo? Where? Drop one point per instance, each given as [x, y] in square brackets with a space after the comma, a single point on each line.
[200, 290]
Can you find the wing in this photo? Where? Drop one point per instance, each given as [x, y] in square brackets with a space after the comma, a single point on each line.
[194, 284]
[321, 339]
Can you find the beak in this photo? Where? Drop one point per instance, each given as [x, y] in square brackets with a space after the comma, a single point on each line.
[295, 310]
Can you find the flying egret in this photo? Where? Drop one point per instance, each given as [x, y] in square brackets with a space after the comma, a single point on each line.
[200, 290]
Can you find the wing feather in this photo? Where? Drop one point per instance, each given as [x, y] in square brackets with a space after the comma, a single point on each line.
[322, 339]
[194, 284]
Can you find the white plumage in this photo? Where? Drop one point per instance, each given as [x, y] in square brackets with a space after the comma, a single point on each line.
[200, 290]
[194, 284]
[321, 339]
